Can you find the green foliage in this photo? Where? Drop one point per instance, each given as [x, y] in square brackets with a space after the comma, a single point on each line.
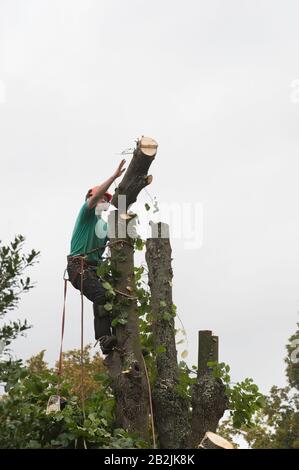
[167, 313]
[160, 349]
[244, 397]
[108, 307]
[292, 359]
[104, 270]
[13, 264]
[276, 422]
[186, 380]
[274, 426]
[25, 424]
[119, 320]
[13, 282]
[139, 244]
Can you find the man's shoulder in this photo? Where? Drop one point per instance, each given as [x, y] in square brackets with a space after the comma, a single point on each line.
[85, 213]
[86, 209]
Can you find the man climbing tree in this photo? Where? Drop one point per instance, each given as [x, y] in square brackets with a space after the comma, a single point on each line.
[88, 243]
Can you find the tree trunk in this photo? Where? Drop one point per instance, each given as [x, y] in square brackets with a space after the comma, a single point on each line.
[170, 407]
[209, 400]
[125, 364]
[136, 177]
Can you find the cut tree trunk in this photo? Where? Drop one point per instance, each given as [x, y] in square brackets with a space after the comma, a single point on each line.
[125, 364]
[214, 441]
[136, 177]
[209, 400]
[170, 407]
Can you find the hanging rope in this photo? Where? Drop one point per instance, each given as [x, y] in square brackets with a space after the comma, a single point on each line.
[62, 335]
[115, 242]
[150, 402]
[82, 348]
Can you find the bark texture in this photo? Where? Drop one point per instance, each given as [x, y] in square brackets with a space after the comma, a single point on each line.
[170, 407]
[209, 400]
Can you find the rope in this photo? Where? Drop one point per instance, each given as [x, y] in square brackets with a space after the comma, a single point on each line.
[59, 373]
[125, 295]
[119, 291]
[62, 335]
[119, 241]
[82, 348]
[101, 247]
[150, 402]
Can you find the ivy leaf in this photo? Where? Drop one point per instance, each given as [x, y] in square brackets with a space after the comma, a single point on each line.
[160, 349]
[166, 316]
[107, 285]
[139, 244]
[108, 307]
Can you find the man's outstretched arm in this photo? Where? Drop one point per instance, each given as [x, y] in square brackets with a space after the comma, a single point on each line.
[102, 188]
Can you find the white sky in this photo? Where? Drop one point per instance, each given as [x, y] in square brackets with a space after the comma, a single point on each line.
[211, 81]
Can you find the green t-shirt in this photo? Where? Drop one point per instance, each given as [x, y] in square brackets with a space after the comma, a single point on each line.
[90, 232]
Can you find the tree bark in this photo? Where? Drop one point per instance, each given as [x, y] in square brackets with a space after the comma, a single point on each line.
[125, 364]
[170, 407]
[136, 177]
[209, 400]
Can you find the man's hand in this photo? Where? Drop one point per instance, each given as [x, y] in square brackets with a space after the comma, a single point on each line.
[98, 192]
[119, 169]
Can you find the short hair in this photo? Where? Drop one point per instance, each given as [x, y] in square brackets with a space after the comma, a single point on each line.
[88, 195]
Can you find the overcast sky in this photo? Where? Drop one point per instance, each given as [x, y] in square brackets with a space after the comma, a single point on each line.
[214, 82]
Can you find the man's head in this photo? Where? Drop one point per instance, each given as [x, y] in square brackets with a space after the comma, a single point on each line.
[107, 196]
[103, 203]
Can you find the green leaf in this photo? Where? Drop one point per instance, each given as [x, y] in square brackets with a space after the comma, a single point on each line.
[167, 316]
[147, 206]
[160, 349]
[106, 285]
[108, 307]
[139, 244]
